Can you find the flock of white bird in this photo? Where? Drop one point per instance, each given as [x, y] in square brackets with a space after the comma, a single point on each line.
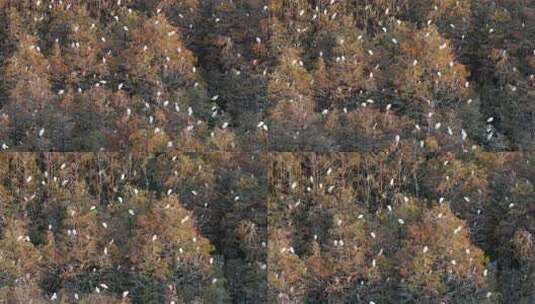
[74, 233]
[262, 125]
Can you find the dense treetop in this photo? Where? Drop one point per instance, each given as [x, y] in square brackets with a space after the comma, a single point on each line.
[267, 151]
[401, 226]
[110, 228]
[224, 75]
[398, 226]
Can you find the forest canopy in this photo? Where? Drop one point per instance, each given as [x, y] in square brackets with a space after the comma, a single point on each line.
[399, 226]
[267, 151]
[109, 228]
[244, 75]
